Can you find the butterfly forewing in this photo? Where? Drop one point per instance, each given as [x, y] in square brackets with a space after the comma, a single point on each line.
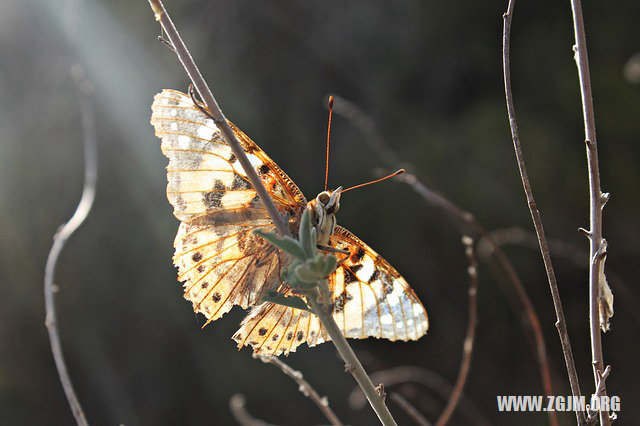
[219, 260]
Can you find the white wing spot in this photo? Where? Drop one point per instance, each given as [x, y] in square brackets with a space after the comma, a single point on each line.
[417, 309]
[184, 141]
[174, 125]
[255, 161]
[205, 132]
[173, 112]
[386, 319]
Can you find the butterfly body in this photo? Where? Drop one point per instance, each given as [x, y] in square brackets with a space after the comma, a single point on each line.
[222, 262]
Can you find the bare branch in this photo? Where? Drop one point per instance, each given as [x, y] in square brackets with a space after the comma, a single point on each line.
[307, 390]
[469, 340]
[61, 237]
[597, 202]
[238, 407]
[323, 315]
[409, 409]
[561, 324]
[466, 223]
[218, 117]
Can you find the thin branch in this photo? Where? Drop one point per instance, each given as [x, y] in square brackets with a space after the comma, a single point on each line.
[409, 409]
[355, 367]
[218, 117]
[352, 363]
[597, 202]
[561, 323]
[238, 407]
[307, 390]
[469, 340]
[467, 223]
[431, 380]
[60, 238]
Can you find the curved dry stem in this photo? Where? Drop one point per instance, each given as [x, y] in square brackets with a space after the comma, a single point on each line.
[307, 390]
[561, 323]
[469, 340]
[323, 315]
[59, 240]
[466, 222]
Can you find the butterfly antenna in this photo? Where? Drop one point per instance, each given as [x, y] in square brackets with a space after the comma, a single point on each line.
[399, 172]
[326, 159]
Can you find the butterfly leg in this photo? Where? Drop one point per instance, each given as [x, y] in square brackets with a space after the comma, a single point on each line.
[335, 250]
[332, 249]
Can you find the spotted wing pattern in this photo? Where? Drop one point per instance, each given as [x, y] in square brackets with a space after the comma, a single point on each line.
[369, 299]
[221, 262]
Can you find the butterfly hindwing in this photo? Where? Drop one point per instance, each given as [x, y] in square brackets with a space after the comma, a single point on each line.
[219, 260]
[272, 329]
[369, 299]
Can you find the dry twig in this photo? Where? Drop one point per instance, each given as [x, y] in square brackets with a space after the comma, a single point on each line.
[561, 324]
[469, 339]
[60, 238]
[219, 119]
[307, 390]
[598, 199]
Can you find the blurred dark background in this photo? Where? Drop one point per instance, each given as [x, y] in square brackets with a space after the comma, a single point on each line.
[429, 74]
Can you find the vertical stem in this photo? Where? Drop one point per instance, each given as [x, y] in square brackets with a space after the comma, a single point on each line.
[561, 323]
[353, 364]
[597, 200]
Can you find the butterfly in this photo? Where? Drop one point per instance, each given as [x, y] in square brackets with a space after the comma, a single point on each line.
[223, 263]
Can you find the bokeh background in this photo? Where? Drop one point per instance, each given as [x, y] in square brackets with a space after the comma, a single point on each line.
[428, 73]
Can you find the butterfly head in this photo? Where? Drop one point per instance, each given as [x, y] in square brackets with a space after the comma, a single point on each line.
[323, 210]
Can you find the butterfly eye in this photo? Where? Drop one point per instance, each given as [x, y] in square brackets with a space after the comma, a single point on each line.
[323, 197]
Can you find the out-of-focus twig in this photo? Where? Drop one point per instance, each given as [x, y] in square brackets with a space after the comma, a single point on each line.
[307, 390]
[429, 379]
[238, 407]
[409, 409]
[469, 339]
[561, 323]
[351, 361]
[62, 235]
[467, 224]
[598, 246]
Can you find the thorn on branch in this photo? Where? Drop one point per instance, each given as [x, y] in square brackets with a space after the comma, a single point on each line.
[585, 232]
[604, 198]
